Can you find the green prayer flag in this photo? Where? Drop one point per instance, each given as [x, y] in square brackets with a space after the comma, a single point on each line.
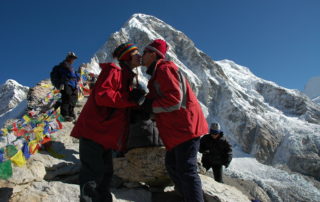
[5, 170]
[11, 150]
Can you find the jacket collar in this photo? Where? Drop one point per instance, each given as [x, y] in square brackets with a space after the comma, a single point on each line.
[152, 68]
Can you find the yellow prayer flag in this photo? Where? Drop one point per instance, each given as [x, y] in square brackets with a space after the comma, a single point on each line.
[46, 85]
[32, 146]
[5, 131]
[18, 159]
[26, 118]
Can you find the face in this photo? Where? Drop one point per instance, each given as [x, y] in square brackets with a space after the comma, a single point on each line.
[148, 58]
[215, 136]
[71, 60]
[135, 59]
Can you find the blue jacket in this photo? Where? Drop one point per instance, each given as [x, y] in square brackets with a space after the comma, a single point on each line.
[68, 75]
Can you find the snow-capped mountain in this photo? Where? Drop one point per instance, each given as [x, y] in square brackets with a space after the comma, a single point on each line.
[278, 126]
[312, 89]
[12, 100]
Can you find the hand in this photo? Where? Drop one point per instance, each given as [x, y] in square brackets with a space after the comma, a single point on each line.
[136, 94]
[61, 87]
[206, 152]
[147, 105]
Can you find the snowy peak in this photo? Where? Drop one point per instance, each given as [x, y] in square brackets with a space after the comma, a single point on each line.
[11, 94]
[312, 89]
[261, 117]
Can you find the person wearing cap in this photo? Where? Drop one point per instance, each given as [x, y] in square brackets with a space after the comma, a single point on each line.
[179, 119]
[216, 151]
[103, 123]
[68, 87]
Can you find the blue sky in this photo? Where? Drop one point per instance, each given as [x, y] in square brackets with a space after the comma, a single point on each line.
[279, 40]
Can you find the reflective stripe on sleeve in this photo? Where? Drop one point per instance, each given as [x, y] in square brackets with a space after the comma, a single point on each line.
[183, 98]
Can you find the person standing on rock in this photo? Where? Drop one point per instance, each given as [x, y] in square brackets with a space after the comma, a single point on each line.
[179, 118]
[68, 87]
[216, 151]
[103, 123]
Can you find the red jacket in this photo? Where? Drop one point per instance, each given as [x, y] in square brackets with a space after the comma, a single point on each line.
[104, 118]
[177, 111]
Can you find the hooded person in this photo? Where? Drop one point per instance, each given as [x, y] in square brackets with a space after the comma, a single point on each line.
[103, 123]
[178, 116]
[216, 151]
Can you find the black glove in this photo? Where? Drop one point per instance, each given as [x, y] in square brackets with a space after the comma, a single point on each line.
[136, 94]
[147, 105]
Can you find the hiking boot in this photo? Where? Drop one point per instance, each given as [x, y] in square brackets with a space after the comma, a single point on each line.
[89, 193]
[73, 116]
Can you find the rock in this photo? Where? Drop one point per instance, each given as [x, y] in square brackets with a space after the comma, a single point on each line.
[143, 165]
[33, 171]
[37, 94]
[306, 164]
[46, 191]
[248, 188]
[215, 191]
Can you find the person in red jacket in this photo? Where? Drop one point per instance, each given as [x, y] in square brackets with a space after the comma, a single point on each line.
[103, 123]
[179, 119]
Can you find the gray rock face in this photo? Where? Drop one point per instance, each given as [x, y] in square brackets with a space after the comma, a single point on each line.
[309, 163]
[214, 191]
[290, 104]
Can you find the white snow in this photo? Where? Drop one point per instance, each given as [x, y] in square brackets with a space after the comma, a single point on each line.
[312, 88]
[12, 100]
[269, 178]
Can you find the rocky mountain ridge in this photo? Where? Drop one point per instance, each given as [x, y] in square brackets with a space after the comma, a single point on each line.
[12, 97]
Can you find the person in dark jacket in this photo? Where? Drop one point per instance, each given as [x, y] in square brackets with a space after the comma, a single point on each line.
[216, 151]
[103, 124]
[69, 87]
[179, 118]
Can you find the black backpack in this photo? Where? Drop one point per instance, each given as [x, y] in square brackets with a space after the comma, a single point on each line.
[55, 76]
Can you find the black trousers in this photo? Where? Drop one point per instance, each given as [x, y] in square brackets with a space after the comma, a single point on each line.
[181, 164]
[69, 98]
[217, 172]
[95, 172]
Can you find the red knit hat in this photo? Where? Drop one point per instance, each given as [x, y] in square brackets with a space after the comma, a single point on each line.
[159, 46]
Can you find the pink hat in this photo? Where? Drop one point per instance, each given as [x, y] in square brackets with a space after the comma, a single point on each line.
[159, 46]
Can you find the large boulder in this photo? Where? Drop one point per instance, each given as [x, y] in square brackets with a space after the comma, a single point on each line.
[143, 165]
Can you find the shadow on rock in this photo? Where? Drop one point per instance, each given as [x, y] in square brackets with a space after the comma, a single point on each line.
[5, 194]
[171, 196]
[67, 169]
[58, 150]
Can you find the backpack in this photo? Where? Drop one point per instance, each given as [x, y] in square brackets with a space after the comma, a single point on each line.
[55, 76]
